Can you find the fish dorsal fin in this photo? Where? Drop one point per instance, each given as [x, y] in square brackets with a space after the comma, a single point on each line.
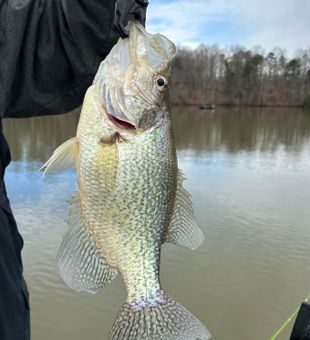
[64, 157]
[183, 229]
[80, 264]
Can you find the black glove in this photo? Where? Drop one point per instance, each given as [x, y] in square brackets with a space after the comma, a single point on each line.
[126, 10]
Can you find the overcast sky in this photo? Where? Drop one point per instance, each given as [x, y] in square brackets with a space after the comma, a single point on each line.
[269, 23]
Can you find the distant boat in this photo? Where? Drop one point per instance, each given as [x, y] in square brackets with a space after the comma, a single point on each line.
[207, 107]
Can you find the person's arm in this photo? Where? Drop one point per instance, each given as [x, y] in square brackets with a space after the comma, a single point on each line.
[50, 51]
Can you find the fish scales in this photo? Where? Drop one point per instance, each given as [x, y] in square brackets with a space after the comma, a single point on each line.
[130, 212]
[130, 198]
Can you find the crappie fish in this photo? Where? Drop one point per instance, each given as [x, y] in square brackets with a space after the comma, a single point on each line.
[130, 198]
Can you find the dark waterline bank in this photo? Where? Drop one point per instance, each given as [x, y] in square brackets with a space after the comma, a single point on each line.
[241, 106]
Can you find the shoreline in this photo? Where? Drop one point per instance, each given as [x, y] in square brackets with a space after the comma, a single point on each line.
[300, 106]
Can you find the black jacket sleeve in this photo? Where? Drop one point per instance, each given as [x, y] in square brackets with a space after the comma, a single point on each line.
[50, 51]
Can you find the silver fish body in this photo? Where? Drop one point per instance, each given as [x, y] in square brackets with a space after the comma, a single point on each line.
[130, 198]
[130, 203]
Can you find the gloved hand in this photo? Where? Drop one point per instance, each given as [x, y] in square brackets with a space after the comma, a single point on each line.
[126, 10]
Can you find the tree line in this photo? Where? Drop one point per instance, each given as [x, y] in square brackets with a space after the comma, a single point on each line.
[238, 76]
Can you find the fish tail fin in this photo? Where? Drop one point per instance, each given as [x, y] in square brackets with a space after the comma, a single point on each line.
[164, 318]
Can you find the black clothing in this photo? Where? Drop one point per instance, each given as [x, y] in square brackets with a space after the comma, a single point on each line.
[126, 10]
[50, 51]
[14, 298]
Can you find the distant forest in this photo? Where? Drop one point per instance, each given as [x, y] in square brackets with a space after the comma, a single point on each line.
[212, 75]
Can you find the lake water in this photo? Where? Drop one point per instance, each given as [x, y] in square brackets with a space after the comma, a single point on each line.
[248, 171]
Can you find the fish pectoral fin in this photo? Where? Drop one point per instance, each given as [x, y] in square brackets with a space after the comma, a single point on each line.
[64, 157]
[183, 229]
[80, 264]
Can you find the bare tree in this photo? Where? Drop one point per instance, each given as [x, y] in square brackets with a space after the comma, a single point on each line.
[238, 76]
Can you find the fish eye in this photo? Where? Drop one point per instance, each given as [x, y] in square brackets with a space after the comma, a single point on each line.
[161, 83]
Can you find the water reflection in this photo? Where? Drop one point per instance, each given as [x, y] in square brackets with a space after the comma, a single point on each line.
[237, 129]
[248, 173]
[230, 129]
[34, 139]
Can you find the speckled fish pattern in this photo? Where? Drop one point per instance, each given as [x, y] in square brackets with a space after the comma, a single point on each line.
[130, 198]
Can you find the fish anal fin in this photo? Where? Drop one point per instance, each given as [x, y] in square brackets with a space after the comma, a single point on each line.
[80, 264]
[183, 229]
[64, 157]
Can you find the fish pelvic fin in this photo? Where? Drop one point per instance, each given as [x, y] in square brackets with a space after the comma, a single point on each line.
[64, 157]
[166, 320]
[183, 229]
[80, 264]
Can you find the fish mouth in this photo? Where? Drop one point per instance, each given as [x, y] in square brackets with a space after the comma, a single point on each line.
[115, 109]
[124, 124]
